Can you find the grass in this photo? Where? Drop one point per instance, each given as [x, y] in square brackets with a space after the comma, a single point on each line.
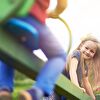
[21, 85]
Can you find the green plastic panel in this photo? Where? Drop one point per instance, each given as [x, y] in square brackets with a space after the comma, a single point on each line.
[23, 60]
[25, 7]
[8, 7]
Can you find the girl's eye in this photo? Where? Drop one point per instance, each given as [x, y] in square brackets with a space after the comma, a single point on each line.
[86, 47]
[92, 51]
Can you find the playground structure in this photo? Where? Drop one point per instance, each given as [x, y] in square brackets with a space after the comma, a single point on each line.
[22, 59]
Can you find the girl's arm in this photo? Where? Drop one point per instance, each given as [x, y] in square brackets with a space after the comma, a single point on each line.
[60, 7]
[72, 71]
[88, 88]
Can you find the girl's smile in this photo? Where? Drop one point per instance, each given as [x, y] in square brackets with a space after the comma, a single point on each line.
[88, 49]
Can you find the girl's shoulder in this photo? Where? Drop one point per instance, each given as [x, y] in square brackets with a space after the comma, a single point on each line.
[76, 54]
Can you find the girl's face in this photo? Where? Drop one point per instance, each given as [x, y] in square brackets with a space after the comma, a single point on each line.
[88, 49]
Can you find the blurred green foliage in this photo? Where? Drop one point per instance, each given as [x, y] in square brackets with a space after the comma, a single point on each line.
[22, 82]
[20, 76]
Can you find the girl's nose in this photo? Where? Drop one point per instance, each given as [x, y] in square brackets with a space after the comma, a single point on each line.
[87, 51]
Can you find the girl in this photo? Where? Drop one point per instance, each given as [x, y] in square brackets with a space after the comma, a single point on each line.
[83, 65]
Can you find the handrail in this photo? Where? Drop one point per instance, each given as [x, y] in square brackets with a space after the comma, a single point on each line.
[70, 33]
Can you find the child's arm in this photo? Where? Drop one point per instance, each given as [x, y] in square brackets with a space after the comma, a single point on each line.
[60, 7]
[73, 74]
[72, 71]
[88, 88]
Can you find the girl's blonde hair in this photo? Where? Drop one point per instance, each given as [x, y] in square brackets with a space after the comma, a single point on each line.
[93, 64]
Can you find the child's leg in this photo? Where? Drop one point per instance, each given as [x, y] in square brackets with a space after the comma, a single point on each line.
[55, 54]
[55, 64]
[6, 77]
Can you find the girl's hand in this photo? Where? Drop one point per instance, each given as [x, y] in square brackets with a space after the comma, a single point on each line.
[93, 98]
[82, 89]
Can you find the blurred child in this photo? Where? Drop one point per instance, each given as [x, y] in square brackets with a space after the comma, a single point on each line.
[45, 81]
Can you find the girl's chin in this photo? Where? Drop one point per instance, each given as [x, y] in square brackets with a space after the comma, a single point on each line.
[85, 57]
